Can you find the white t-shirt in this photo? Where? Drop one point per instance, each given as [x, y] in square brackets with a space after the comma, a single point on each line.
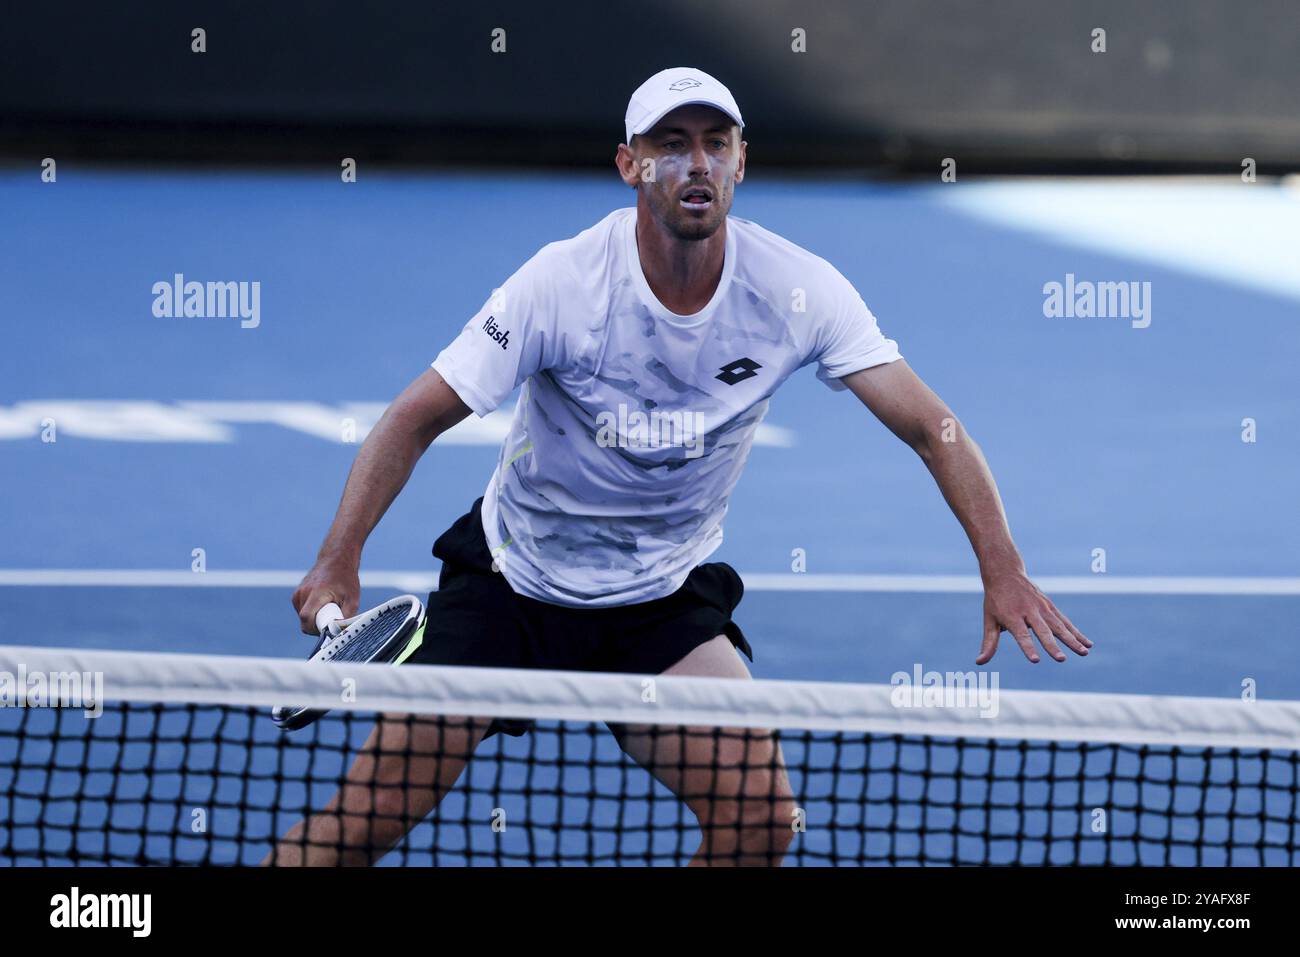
[634, 423]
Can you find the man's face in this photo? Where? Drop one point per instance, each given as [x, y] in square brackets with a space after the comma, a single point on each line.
[696, 158]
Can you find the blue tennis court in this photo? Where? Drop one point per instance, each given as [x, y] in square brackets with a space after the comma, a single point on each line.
[1102, 435]
[182, 444]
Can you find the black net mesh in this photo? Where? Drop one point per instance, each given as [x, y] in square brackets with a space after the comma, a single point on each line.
[218, 784]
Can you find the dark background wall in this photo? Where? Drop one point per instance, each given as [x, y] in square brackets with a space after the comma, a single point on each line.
[900, 83]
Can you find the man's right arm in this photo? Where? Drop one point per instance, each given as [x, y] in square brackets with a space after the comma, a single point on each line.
[425, 409]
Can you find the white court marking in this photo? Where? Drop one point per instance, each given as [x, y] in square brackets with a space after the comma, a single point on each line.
[345, 423]
[419, 581]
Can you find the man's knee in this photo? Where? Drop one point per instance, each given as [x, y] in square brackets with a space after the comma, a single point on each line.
[760, 819]
[375, 815]
[393, 808]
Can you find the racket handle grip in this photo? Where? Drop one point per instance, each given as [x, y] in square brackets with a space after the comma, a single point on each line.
[327, 614]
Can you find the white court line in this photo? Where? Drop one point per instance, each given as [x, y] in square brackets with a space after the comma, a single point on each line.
[420, 581]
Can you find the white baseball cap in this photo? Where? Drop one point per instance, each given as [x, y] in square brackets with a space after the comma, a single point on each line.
[674, 87]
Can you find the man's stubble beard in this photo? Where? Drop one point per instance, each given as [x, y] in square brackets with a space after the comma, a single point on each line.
[687, 227]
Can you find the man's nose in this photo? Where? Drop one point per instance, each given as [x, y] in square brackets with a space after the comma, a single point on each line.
[699, 160]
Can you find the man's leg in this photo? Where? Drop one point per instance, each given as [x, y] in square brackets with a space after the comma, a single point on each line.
[733, 779]
[407, 765]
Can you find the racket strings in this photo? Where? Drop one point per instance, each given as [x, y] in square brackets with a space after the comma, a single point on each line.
[370, 637]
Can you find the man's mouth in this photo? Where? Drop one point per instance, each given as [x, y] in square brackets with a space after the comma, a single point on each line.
[697, 197]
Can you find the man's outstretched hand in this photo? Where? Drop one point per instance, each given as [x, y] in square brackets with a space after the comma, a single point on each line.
[1015, 604]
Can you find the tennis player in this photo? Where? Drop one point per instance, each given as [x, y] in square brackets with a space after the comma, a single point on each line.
[647, 348]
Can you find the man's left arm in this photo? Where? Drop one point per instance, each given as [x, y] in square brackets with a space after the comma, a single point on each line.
[1012, 603]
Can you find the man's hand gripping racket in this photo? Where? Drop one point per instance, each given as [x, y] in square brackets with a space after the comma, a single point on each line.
[387, 634]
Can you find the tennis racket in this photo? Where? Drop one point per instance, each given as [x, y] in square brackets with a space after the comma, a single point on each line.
[388, 634]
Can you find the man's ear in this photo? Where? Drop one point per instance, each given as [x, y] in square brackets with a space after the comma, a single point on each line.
[627, 164]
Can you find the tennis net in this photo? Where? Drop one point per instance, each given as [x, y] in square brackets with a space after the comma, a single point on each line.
[184, 766]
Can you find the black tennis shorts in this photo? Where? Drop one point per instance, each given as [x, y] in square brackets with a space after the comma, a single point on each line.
[476, 619]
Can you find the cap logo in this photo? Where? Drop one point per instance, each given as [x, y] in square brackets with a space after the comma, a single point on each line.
[687, 84]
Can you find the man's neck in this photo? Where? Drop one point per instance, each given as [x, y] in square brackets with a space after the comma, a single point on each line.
[683, 274]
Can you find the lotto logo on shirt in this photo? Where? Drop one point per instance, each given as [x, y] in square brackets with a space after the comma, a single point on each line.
[495, 332]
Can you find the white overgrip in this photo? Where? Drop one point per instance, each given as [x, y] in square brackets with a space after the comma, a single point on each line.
[327, 615]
